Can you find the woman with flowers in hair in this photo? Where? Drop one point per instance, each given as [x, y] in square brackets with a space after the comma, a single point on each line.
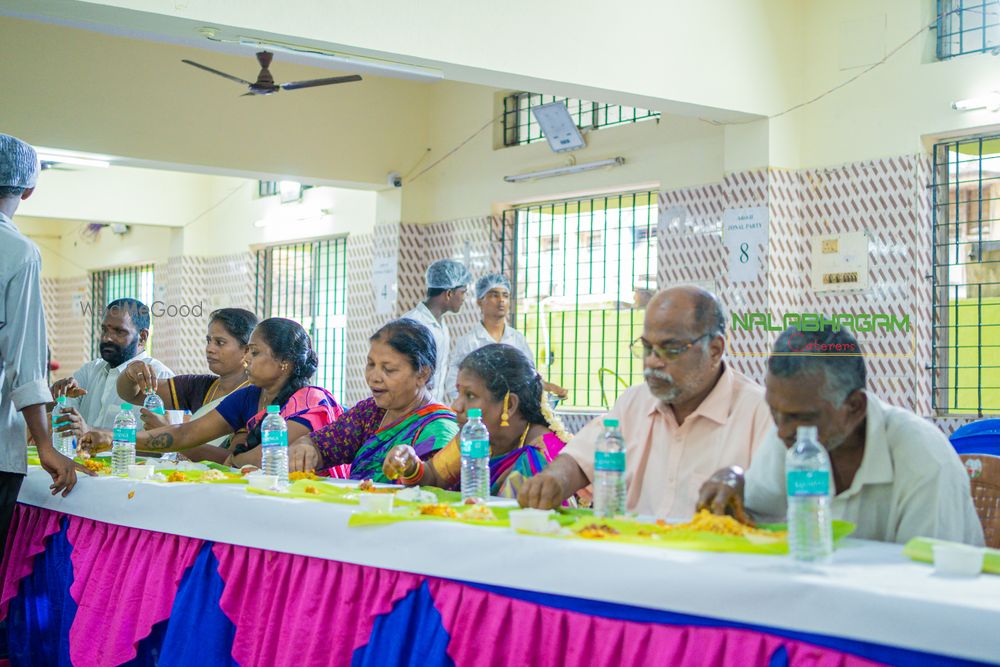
[524, 434]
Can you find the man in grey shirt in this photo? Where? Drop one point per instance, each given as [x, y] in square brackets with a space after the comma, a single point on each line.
[23, 386]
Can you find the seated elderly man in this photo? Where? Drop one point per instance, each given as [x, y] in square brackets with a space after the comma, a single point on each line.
[895, 475]
[692, 412]
[93, 388]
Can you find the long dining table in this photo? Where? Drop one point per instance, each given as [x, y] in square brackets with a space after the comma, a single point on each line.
[139, 572]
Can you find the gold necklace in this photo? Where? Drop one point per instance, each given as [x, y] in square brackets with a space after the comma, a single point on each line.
[212, 390]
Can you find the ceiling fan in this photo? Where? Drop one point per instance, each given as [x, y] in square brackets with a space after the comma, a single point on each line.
[265, 85]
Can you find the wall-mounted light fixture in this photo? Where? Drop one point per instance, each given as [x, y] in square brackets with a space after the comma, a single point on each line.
[989, 101]
[65, 157]
[289, 191]
[570, 169]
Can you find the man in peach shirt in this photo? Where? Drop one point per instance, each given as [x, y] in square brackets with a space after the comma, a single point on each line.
[692, 413]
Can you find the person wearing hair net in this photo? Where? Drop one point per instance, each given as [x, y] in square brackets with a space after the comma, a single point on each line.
[23, 352]
[493, 299]
[447, 283]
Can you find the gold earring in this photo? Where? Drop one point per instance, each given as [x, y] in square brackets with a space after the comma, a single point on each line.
[284, 367]
[505, 415]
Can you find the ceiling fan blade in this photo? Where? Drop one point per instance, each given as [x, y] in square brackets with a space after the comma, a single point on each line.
[215, 71]
[312, 83]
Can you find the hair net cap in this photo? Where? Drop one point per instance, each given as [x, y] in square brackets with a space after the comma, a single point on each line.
[447, 274]
[19, 165]
[489, 281]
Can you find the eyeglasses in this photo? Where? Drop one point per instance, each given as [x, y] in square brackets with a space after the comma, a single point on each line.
[641, 349]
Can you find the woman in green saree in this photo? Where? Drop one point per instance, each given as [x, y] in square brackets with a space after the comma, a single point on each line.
[401, 362]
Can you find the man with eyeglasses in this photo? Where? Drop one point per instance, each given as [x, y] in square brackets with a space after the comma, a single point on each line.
[692, 411]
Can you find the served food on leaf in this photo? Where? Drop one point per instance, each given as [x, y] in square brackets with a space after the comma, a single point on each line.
[94, 465]
[597, 531]
[303, 474]
[366, 485]
[479, 512]
[706, 522]
[311, 490]
[177, 477]
[439, 509]
[213, 476]
[473, 501]
[247, 469]
[415, 494]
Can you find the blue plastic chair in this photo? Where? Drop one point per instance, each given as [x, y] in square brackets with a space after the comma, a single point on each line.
[979, 437]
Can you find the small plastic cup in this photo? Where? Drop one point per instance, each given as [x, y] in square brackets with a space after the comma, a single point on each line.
[380, 503]
[957, 560]
[175, 416]
[139, 471]
[531, 520]
[262, 481]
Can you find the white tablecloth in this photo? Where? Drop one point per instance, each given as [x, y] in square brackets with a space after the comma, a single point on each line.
[871, 592]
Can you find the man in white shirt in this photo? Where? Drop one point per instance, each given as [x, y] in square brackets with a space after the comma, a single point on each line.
[493, 299]
[895, 476]
[23, 385]
[93, 388]
[447, 283]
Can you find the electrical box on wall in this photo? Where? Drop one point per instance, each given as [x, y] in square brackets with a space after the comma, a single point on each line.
[840, 262]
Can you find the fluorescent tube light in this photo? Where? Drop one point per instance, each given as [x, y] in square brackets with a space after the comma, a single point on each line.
[375, 65]
[72, 159]
[561, 171]
[989, 101]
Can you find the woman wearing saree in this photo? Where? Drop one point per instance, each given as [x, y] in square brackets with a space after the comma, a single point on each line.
[226, 343]
[400, 365]
[279, 362]
[524, 434]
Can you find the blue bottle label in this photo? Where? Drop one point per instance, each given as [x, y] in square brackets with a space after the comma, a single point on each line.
[808, 482]
[609, 461]
[158, 411]
[274, 438]
[476, 449]
[124, 435]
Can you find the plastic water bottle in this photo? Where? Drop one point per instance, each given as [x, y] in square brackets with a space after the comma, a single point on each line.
[65, 443]
[609, 472]
[808, 477]
[274, 444]
[123, 443]
[154, 403]
[474, 443]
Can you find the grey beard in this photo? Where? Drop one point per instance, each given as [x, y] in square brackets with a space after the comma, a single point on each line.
[667, 395]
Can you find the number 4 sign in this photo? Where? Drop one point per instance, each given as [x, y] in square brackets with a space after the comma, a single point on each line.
[744, 232]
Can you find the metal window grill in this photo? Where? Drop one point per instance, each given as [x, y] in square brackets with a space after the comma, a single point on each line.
[967, 26]
[965, 360]
[581, 271]
[133, 282]
[307, 282]
[520, 127]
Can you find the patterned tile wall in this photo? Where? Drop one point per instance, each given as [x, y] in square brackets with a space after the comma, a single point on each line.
[67, 322]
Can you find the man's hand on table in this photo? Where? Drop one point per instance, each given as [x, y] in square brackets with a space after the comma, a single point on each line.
[542, 491]
[722, 494]
[62, 470]
[94, 441]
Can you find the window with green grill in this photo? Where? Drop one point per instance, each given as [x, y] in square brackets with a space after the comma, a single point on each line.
[520, 127]
[967, 26]
[966, 276]
[307, 282]
[581, 270]
[132, 282]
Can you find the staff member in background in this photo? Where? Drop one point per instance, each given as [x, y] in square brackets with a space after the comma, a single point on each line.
[493, 299]
[447, 283]
[93, 388]
[22, 341]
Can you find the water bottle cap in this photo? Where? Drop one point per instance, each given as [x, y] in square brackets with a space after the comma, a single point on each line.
[806, 432]
[273, 409]
[127, 406]
[611, 423]
[61, 400]
[475, 413]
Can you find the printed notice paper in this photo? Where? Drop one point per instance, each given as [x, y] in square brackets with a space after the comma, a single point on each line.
[744, 232]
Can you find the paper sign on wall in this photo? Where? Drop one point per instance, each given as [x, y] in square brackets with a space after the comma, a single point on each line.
[744, 233]
[384, 283]
[840, 262]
